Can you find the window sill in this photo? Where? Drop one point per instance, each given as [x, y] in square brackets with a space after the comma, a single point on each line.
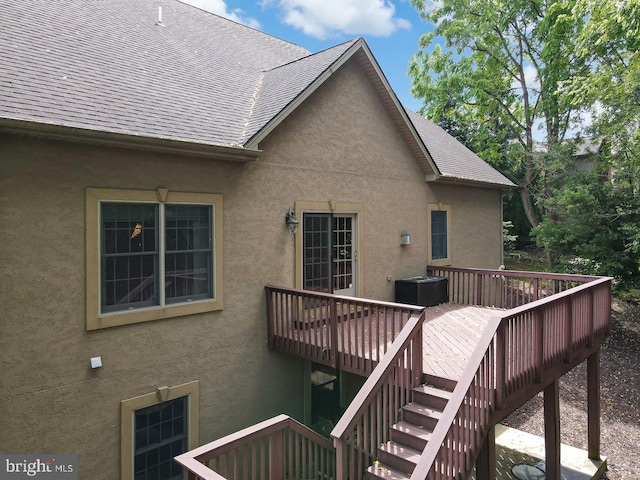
[147, 314]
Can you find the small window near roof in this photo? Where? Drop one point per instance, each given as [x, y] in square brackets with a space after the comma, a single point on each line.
[439, 234]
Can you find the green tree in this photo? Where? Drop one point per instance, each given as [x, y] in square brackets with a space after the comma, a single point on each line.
[595, 222]
[500, 72]
[599, 228]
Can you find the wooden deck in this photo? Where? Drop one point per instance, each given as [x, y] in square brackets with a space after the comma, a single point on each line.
[498, 357]
[451, 333]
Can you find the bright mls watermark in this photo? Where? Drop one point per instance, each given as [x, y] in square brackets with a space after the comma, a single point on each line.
[50, 467]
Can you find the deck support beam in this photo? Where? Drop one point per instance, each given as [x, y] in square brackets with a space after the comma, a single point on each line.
[593, 405]
[486, 462]
[552, 430]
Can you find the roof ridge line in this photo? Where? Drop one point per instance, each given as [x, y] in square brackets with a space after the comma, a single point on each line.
[352, 41]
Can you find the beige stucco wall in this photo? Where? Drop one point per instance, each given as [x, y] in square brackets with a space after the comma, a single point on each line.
[340, 145]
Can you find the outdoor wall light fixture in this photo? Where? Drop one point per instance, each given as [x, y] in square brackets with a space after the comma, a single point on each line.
[405, 238]
[291, 221]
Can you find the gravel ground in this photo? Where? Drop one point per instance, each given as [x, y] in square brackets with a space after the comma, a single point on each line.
[620, 399]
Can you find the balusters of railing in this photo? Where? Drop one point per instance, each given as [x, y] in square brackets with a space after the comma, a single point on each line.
[275, 449]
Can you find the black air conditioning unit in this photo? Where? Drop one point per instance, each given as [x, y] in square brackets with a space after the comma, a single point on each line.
[423, 291]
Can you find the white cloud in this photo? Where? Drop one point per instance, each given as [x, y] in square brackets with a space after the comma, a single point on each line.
[219, 7]
[326, 18]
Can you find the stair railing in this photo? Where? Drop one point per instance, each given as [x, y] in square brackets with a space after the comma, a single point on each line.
[366, 424]
[275, 449]
[459, 434]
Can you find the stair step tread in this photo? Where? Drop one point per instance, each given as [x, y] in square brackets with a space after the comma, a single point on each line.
[401, 451]
[423, 410]
[413, 430]
[381, 470]
[434, 391]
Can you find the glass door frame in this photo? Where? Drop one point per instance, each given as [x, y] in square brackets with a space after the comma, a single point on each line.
[337, 209]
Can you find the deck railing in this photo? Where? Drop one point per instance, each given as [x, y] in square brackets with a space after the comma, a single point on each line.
[275, 449]
[367, 421]
[504, 288]
[348, 333]
[517, 350]
[553, 322]
[535, 339]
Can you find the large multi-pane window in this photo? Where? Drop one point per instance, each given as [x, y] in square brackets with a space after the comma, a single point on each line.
[131, 262]
[149, 258]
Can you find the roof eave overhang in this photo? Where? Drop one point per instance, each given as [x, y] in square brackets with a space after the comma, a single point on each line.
[128, 141]
[451, 180]
[381, 85]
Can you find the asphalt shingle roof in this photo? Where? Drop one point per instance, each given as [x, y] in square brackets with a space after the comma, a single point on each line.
[281, 85]
[454, 160]
[109, 66]
[106, 65]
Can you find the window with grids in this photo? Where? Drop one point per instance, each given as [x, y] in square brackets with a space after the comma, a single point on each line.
[439, 239]
[161, 433]
[154, 254]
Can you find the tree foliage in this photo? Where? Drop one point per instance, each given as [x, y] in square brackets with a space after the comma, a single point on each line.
[599, 231]
[517, 79]
[500, 73]
[595, 221]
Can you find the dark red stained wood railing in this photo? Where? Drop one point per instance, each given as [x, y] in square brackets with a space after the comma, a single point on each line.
[519, 347]
[367, 421]
[348, 333]
[547, 322]
[277, 448]
[458, 436]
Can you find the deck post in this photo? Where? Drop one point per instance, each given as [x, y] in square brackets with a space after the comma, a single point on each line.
[538, 343]
[341, 459]
[593, 405]
[501, 364]
[333, 333]
[486, 462]
[552, 430]
[569, 330]
[270, 319]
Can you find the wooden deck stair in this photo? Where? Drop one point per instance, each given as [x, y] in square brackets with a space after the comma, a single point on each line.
[399, 456]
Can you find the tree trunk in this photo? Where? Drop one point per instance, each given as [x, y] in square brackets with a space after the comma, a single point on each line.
[527, 203]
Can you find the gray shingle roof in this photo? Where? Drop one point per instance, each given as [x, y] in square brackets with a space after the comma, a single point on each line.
[107, 66]
[281, 85]
[454, 160]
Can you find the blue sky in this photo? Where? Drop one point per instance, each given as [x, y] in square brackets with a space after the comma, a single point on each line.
[391, 28]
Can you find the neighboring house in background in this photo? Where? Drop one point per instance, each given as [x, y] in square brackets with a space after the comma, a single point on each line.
[146, 170]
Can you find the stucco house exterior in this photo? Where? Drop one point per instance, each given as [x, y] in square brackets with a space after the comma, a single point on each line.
[147, 169]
